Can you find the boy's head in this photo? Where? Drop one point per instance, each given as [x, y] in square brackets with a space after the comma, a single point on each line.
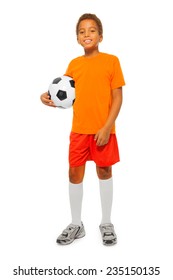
[92, 17]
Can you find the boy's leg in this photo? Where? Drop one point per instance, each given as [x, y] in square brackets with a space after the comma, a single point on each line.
[106, 192]
[76, 229]
[78, 155]
[76, 175]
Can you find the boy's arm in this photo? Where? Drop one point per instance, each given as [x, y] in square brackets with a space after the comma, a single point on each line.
[102, 136]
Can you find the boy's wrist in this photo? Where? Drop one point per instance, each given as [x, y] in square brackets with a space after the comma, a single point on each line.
[108, 128]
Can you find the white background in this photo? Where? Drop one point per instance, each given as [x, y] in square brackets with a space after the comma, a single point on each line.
[37, 42]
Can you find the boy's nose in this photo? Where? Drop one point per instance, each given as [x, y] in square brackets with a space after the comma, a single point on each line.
[86, 33]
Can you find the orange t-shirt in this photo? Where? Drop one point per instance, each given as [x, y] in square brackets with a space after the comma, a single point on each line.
[94, 78]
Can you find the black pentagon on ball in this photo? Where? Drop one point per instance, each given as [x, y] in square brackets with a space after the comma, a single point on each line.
[72, 83]
[56, 81]
[61, 94]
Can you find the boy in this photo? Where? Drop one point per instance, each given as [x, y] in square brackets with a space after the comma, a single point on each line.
[98, 77]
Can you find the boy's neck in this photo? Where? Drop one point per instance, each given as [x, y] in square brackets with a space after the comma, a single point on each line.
[91, 54]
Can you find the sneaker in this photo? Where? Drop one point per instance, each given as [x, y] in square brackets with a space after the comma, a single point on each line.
[108, 234]
[71, 233]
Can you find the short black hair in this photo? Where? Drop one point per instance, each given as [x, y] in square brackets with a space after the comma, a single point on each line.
[93, 17]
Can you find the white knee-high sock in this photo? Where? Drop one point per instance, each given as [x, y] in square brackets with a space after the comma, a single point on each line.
[76, 195]
[106, 195]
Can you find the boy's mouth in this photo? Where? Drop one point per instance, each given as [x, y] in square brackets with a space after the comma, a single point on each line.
[87, 41]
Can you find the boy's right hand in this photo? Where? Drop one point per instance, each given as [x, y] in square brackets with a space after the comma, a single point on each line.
[45, 98]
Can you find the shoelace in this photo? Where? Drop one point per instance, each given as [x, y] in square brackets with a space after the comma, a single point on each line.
[108, 230]
[67, 231]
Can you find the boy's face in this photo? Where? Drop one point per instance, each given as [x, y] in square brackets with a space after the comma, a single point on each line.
[88, 35]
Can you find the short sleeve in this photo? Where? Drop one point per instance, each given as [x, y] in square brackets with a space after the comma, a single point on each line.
[117, 78]
[69, 71]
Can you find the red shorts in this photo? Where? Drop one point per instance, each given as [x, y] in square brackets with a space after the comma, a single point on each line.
[83, 148]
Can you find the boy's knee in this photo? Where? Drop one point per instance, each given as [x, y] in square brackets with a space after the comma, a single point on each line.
[104, 173]
[76, 175]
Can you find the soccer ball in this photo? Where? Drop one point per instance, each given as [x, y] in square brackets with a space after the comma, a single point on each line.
[62, 92]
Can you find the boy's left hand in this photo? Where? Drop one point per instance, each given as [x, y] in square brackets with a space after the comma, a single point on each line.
[102, 137]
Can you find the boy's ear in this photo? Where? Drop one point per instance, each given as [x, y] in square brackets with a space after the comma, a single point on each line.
[101, 38]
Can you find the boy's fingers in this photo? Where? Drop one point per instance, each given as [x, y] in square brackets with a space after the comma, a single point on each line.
[96, 136]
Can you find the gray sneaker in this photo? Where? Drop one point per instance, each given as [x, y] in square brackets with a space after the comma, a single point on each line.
[108, 234]
[71, 233]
